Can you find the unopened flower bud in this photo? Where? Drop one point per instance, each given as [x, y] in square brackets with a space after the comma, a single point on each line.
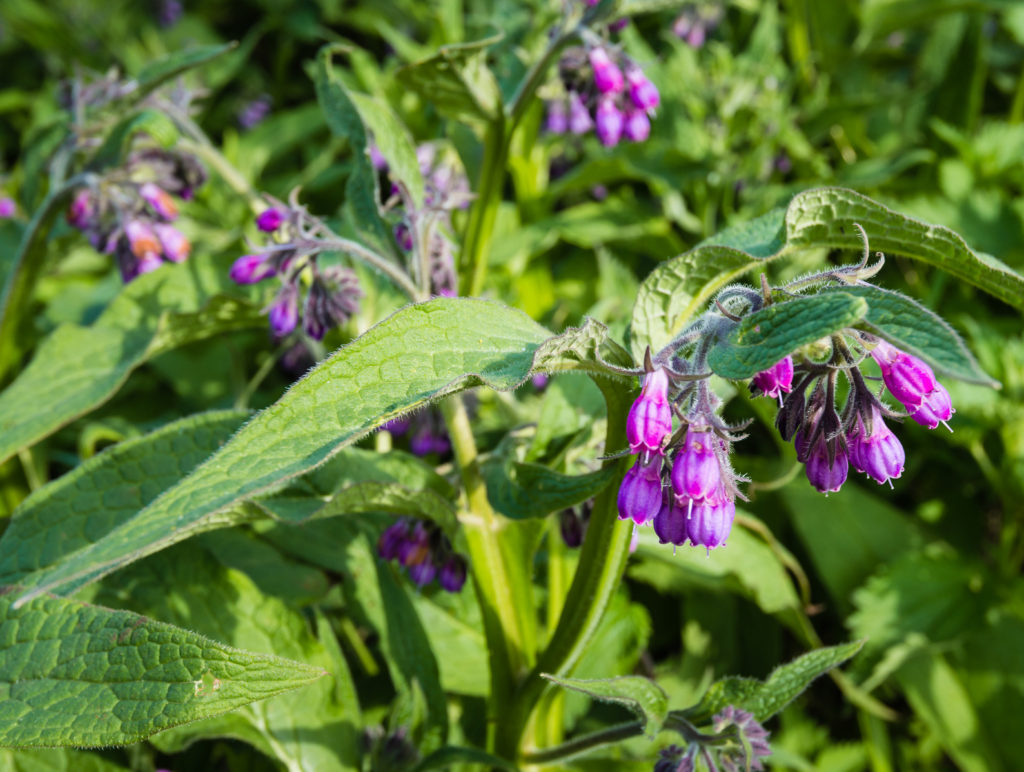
[908, 378]
[640, 494]
[696, 473]
[175, 246]
[284, 312]
[380, 163]
[250, 269]
[642, 92]
[650, 418]
[609, 122]
[579, 117]
[403, 235]
[936, 408]
[826, 476]
[160, 200]
[776, 379]
[637, 127]
[82, 211]
[557, 120]
[670, 522]
[270, 220]
[453, 574]
[607, 75]
[392, 539]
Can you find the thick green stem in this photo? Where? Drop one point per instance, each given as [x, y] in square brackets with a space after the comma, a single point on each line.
[578, 745]
[476, 245]
[502, 583]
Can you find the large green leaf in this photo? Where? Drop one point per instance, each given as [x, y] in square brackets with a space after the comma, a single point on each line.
[766, 698]
[419, 354]
[457, 82]
[914, 328]
[72, 674]
[394, 142]
[78, 368]
[765, 337]
[641, 695]
[520, 490]
[158, 72]
[103, 492]
[55, 760]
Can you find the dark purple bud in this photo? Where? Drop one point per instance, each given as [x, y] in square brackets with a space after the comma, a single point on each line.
[168, 12]
[937, 408]
[675, 759]
[607, 75]
[696, 473]
[392, 539]
[637, 127]
[642, 92]
[908, 378]
[879, 454]
[670, 522]
[640, 494]
[403, 235]
[176, 247]
[579, 117]
[415, 547]
[571, 526]
[284, 312]
[82, 211]
[160, 201]
[709, 522]
[826, 476]
[557, 120]
[253, 112]
[270, 220]
[650, 418]
[250, 269]
[427, 441]
[609, 122]
[423, 573]
[7, 207]
[619, 24]
[776, 379]
[453, 574]
[397, 426]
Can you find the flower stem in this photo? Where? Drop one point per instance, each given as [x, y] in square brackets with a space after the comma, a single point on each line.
[585, 742]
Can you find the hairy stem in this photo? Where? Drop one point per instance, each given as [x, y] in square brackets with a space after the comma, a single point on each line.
[578, 745]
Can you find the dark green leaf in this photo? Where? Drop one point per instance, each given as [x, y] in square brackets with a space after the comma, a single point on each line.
[155, 74]
[520, 490]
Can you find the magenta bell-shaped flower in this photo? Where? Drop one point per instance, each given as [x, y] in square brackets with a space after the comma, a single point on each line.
[670, 522]
[776, 379]
[936, 408]
[638, 125]
[824, 476]
[250, 269]
[579, 117]
[696, 473]
[607, 75]
[878, 455]
[709, 522]
[640, 495]
[609, 122]
[642, 92]
[650, 418]
[270, 220]
[908, 378]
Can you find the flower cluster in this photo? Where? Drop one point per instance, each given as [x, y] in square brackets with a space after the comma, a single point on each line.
[830, 441]
[128, 213]
[695, 23]
[605, 91]
[296, 242]
[739, 743]
[425, 552]
[429, 435]
[681, 483]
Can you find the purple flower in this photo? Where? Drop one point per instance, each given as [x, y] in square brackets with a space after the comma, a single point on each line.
[638, 125]
[640, 495]
[397, 426]
[650, 418]
[936, 408]
[391, 540]
[284, 312]
[250, 269]
[176, 247]
[7, 207]
[776, 379]
[540, 381]
[253, 112]
[82, 210]
[755, 735]
[825, 475]
[607, 75]
[427, 441]
[160, 200]
[676, 759]
[571, 527]
[696, 473]
[642, 92]
[168, 12]
[557, 120]
[403, 235]
[579, 117]
[270, 220]
[453, 574]
[423, 573]
[878, 454]
[415, 548]
[670, 522]
[908, 378]
[709, 522]
[142, 239]
[609, 122]
[149, 262]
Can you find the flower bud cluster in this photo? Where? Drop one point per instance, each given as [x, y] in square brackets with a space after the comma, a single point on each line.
[695, 23]
[682, 484]
[425, 552]
[129, 212]
[320, 297]
[738, 742]
[605, 91]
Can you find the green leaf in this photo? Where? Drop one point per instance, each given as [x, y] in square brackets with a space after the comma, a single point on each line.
[641, 695]
[457, 82]
[444, 758]
[825, 218]
[419, 354]
[149, 121]
[55, 760]
[768, 335]
[766, 698]
[97, 496]
[394, 142]
[587, 348]
[361, 190]
[156, 73]
[78, 368]
[72, 674]
[914, 328]
[520, 490]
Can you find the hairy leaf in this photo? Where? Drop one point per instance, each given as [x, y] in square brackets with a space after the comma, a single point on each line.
[641, 695]
[457, 82]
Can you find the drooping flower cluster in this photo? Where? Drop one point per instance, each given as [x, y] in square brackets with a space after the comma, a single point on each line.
[683, 484]
[320, 297]
[425, 552]
[605, 91]
[129, 212]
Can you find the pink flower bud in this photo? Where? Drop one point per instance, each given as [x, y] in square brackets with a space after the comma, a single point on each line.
[637, 127]
[642, 92]
[908, 378]
[709, 523]
[650, 418]
[159, 200]
[557, 120]
[879, 455]
[270, 220]
[284, 313]
[607, 75]
[824, 476]
[696, 473]
[776, 379]
[609, 122]
[250, 269]
[7, 207]
[640, 495]
[579, 118]
[936, 408]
